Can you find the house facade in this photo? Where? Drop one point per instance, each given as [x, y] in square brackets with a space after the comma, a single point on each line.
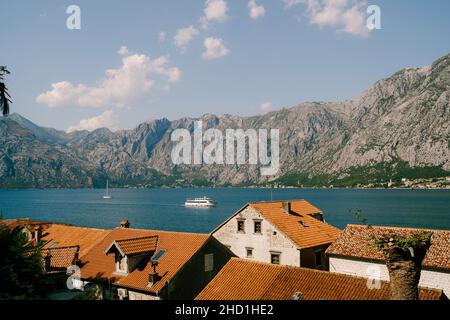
[353, 254]
[289, 233]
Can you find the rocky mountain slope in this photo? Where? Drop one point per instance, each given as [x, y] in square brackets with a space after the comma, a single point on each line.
[398, 128]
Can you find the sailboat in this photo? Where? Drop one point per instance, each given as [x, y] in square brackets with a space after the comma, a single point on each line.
[107, 194]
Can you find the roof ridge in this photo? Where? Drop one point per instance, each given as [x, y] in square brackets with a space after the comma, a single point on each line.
[395, 227]
[162, 231]
[137, 238]
[65, 247]
[78, 227]
[279, 201]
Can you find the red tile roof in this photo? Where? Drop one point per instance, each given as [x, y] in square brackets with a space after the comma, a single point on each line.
[354, 242]
[303, 230]
[61, 258]
[135, 246]
[66, 236]
[28, 223]
[180, 247]
[247, 280]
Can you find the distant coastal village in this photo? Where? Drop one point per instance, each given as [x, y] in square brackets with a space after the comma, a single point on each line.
[277, 250]
[404, 183]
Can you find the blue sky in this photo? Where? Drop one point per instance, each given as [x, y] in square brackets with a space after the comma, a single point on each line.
[225, 60]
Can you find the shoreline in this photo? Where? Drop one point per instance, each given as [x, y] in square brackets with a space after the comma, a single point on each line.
[219, 188]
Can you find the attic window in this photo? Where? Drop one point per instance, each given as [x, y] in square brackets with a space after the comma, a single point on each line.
[240, 226]
[318, 258]
[121, 264]
[249, 252]
[257, 226]
[275, 257]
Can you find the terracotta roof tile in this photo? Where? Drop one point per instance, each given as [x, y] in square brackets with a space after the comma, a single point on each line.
[28, 223]
[180, 247]
[61, 258]
[136, 245]
[354, 242]
[304, 230]
[247, 280]
[65, 236]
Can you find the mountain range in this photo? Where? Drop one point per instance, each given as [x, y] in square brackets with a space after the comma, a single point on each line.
[398, 128]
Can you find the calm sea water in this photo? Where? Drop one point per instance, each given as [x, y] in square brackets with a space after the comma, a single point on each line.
[163, 208]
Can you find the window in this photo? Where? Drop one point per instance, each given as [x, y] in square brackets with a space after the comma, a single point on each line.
[249, 252]
[275, 258]
[155, 259]
[241, 226]
[121, 264]
[257, 226]
[209, 262]
[318, 258]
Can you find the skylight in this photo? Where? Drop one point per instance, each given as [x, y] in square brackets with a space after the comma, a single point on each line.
[158, 256]
[53, 245]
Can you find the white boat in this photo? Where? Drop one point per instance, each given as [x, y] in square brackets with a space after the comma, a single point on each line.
[200, 202]
[107, 194]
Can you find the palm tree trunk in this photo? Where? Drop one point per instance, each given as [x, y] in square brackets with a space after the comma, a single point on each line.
[404, 272]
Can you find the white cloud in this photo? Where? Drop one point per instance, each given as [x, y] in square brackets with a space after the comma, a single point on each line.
[256, 11]
[159, 66]
[105, 120]
[162, 36]
[132, 82]
[266, 106]
[291, 3]
[185, 35]
[123, 51]
[215, 11]
[214, 49]
[344, 15]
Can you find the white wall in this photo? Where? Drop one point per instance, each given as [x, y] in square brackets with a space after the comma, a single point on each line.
[141, 296]
[262, 244]
[429, 279]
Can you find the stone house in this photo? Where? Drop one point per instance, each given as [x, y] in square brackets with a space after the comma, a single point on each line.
[289, 233]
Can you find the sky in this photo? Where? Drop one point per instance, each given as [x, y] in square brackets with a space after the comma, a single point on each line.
[133, 61]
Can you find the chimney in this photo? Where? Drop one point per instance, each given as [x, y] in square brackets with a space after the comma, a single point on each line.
[287, 207]
[125, 224]
[153, 277]
[37, 235]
